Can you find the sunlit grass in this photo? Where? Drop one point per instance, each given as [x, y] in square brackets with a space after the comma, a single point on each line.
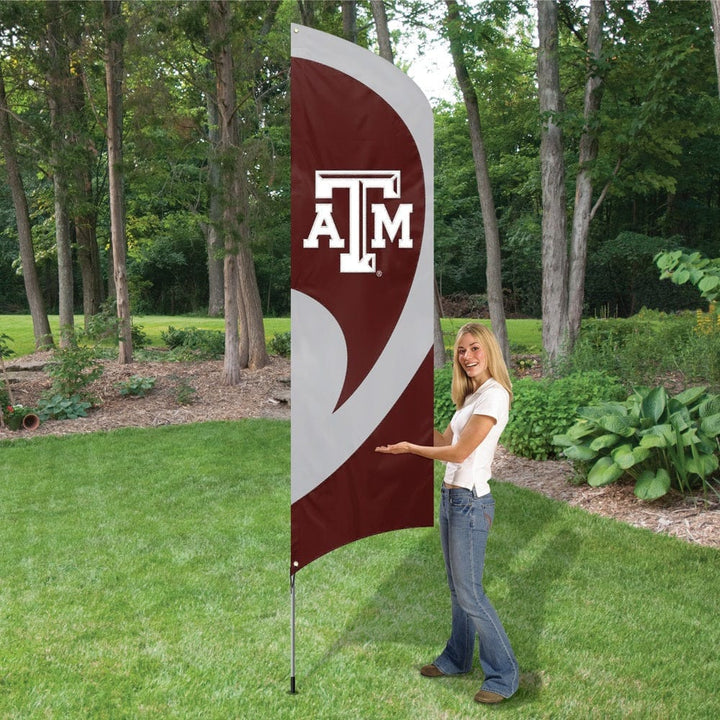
[19, 327]
[144, 574]
[524, 333]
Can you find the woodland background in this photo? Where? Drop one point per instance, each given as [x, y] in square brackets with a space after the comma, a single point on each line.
[178, 112]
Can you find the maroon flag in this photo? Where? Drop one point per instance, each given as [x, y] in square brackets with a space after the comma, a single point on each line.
[362, 295]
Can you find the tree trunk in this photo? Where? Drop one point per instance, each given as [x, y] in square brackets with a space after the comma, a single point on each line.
[211, 230]
[307, 12]
[487, 203]
[251, 305]
[439, 355]
[65, 263]
[240, 282]
[583, 184]
[382, 30]
[349, 20]
[385, 48]
[232, 364]
[715, 4]
[58, 100]
[41, 325]
[83, 206]
[88, 254]
[114, 69]
[554, 240]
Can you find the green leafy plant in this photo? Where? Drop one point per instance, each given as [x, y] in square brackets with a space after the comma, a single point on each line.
[58, 407]
[444, 407]
[544, 408]
[6, 396]
[73, 368]
[136, 386]
[5, 349]
[700, 271]
[105, 325]
[658, 440]
[638, 349]
[194, 343]
[280, 344]
[185, 393]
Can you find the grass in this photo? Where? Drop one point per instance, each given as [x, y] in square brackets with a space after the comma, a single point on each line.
[144, 574]
[524, 333]
[19, 327]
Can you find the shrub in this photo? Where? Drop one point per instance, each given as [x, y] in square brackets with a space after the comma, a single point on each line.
[658, 440]
[105, 325]
[541, 408]
[140, 339]
[699, 356]
[194, 343]
[185, 393]
[280, 344]
[73, 368]
[544, 408]
[136, 385]
[651, 344]
[444, 407]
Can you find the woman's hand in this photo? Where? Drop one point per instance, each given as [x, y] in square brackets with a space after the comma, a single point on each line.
[473, 434]
[400, 448]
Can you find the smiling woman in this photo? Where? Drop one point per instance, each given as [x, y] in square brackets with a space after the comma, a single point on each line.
[481, 390]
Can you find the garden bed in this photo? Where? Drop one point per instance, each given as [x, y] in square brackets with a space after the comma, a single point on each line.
[265, 394]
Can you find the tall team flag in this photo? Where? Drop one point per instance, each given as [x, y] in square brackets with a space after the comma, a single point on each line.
[361, 295]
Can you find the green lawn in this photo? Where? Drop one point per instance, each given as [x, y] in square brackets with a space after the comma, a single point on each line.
[144, 574]
[19, 327]
[525, 333]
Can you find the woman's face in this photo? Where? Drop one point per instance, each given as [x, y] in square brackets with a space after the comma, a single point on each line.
[472, 359]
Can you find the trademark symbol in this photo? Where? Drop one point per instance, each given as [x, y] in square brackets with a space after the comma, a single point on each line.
[379, 273]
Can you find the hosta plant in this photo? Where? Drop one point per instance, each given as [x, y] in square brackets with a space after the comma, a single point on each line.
[658, 440]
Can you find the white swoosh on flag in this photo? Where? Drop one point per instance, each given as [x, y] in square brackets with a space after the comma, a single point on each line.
[323, 439]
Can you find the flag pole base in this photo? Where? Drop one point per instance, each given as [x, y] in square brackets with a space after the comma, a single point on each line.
[293, 691]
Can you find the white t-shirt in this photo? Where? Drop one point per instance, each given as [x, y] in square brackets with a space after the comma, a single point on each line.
[491, 399]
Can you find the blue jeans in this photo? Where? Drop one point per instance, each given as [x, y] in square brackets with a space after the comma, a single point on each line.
[465, 522]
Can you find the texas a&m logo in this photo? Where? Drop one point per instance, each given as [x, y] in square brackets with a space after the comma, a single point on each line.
[362, 187]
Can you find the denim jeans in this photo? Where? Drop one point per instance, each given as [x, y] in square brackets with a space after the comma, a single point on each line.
[465, 522]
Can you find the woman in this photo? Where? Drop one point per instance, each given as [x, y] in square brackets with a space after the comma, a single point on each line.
[482, 392]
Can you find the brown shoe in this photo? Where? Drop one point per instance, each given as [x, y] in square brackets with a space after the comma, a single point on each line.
[488, 698]
[431, 671]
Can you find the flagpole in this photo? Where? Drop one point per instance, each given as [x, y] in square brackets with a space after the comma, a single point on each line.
[292, 634]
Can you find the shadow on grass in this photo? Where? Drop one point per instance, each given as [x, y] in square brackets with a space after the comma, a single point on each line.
[530, 550]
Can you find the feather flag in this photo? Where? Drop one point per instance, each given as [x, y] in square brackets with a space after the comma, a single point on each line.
[361, 295]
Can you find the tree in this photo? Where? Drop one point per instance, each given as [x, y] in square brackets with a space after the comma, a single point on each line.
[487, 203]
[381, 29]
[583, 209]
[58, 98]
[349, 18]
[242, 298]
[385, 49]
[41, 325]
[114, 40]
[84, 161]
[212, 228]
[715, 5]
[554, 247]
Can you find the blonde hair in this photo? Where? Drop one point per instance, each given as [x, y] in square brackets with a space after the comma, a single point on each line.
[461, 384]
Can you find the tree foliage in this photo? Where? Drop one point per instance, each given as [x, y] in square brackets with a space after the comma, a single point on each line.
[658, 162]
